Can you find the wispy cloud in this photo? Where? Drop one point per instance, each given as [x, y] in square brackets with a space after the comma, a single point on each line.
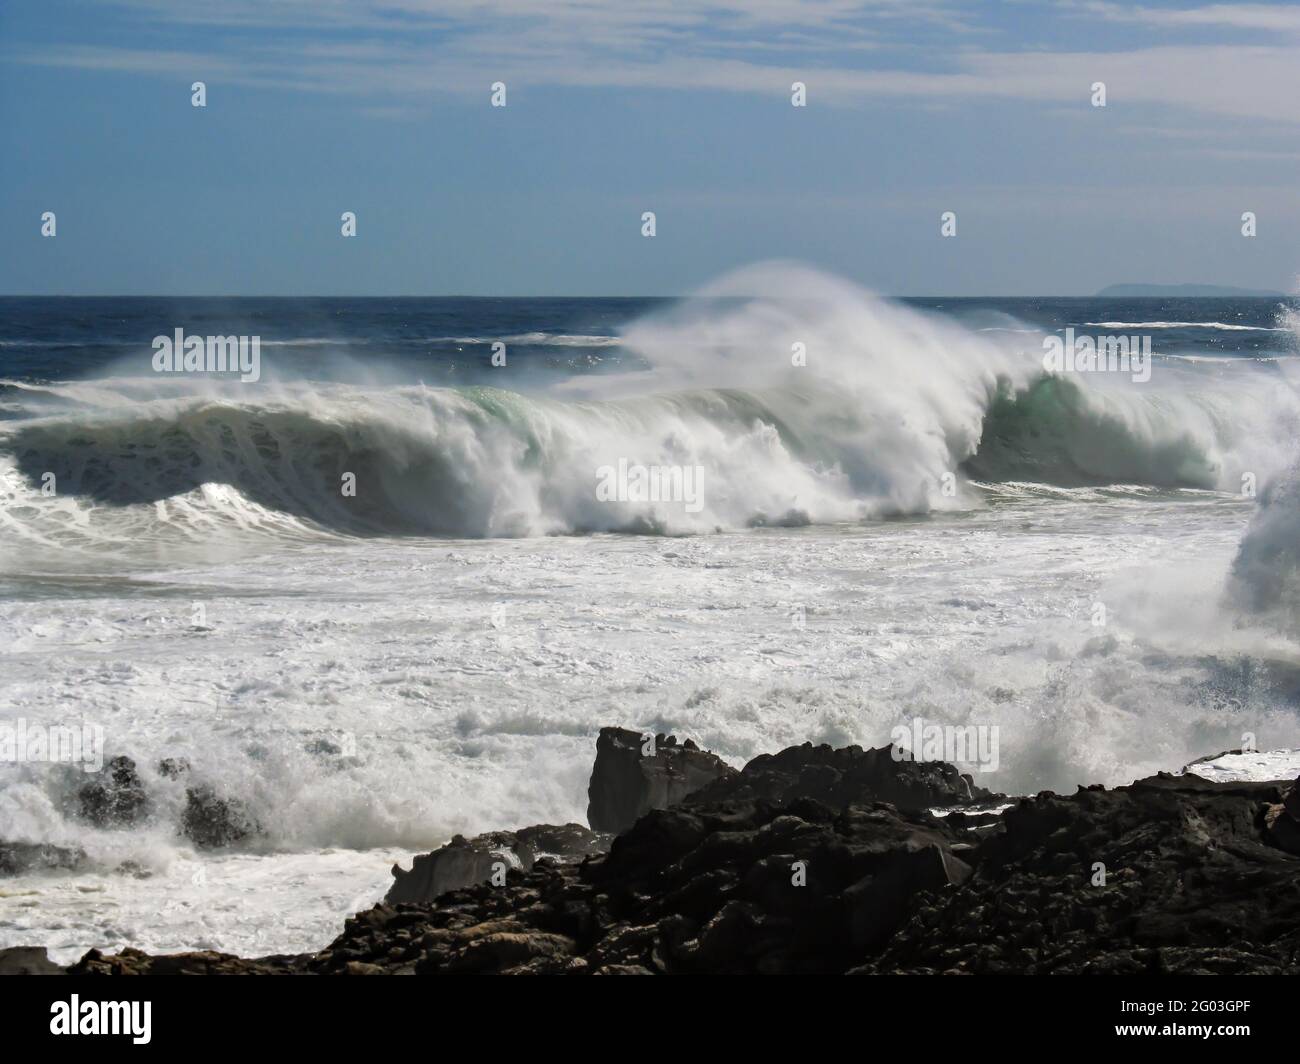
[1269, 17]
[630, 21]
[387, 53]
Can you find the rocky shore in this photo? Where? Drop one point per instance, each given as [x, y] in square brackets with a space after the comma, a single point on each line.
[814, 860]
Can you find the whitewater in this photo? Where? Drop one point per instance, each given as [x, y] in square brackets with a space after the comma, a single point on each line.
[909, 519]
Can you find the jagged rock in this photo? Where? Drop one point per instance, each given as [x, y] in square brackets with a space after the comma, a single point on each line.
[173, 767]
[203, 962]
[464, 862]
[27, 960]
[116, 797]
[461, 863]
[1171, 874]
[878, 902]
[684, 890]
[1282, 821]
[1281, 829]
[19, 857]
[211, 822]
[840, 777]
[744, 887]
[625, 784]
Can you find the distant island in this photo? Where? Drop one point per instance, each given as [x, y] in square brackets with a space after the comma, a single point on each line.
[1185, 291]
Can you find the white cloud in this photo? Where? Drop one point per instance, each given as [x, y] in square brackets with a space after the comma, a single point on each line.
[462, 46]
[1268, 17]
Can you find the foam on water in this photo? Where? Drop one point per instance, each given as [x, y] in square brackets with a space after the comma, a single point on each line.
[366, 688]
[1262, 766]
[1226, 326]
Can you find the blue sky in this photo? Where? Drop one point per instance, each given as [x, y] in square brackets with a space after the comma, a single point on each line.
[382, 107]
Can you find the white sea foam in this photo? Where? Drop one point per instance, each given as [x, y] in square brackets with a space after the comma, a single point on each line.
[536, 339]
[1222, 325]
[365, 688]
[1260, 766]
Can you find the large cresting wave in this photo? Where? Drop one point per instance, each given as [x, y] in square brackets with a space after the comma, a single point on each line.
[798, 398]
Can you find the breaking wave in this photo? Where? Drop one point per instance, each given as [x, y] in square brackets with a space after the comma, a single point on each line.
[799, 398]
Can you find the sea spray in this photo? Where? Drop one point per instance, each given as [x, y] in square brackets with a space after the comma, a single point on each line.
[886, 412]
[1265, 578]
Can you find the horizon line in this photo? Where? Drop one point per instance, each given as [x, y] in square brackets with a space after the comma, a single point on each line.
[1244, 294]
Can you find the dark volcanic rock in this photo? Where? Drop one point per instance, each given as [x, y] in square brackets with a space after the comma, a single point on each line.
[1190, 885]
[1282, 821]
[625, 784]
[464, 862]
[203, 962]
[790, 869]
[210, 821]
[19, 857]
[742, 887]
[27, 960]
[840, 777]
[115, 797]
[173, 768]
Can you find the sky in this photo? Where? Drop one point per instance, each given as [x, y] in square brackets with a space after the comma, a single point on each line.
[683, 108]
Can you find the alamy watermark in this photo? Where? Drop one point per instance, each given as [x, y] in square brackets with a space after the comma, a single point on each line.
[969, 744]
[209, 354]
[627, 482]
[77, 1017]
[54, 744]
[1098, 354]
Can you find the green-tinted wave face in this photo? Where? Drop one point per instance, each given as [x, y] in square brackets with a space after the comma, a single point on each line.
[1056, 433]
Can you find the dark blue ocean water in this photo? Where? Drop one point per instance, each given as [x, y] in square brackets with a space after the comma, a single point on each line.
[449, 340]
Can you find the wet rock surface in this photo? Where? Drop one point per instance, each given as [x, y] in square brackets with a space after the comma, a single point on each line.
[464, 862]
[17, 858]
[116, 797]
[199, 962]
[741, 887]
[796, 866]
[850, 774]
[1282, 820]
[212, 822]
[1169, 875]
[27, 960]
[627, 781]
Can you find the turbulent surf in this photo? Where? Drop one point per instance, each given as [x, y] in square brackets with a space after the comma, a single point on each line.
[391, 590]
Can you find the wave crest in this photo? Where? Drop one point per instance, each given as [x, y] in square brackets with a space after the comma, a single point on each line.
[887, 406]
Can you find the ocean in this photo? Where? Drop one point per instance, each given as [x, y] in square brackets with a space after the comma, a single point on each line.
[390, 589]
